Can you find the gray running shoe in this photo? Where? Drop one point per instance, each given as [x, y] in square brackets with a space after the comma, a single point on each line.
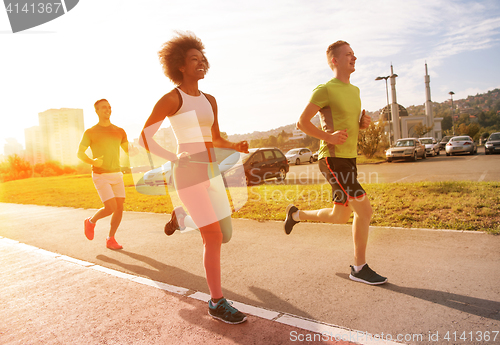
[224, 311]
[367, 275]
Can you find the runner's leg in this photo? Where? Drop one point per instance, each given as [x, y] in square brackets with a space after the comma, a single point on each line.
[339, 214]
[197, 201]
[108, 209]
[116, 218]
[360, 227]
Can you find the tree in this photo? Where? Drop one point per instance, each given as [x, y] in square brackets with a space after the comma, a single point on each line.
[447, 123]
[370, 138]
[272, 141]
[15, 168]
[463, 118]
[420, 130]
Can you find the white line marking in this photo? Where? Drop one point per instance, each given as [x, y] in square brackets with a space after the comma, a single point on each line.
[404, 178]
[75, 261]
[482, 176]
[161, 286]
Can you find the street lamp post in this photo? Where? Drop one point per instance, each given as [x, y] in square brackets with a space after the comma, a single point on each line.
[389, 116]
[395, 107]
[451, 93]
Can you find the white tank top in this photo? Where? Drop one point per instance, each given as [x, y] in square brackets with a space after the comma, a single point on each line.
[192, 123]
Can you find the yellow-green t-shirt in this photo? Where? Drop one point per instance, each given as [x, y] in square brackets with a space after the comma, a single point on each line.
[340, 109]
[105, 142]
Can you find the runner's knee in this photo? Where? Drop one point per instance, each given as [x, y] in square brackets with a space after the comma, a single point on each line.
[226, 227]
[212, 235]
[110, 206]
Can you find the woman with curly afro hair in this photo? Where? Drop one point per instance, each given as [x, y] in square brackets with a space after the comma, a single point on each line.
[198, 182]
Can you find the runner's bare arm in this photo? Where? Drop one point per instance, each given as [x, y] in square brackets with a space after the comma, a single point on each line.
[306, 126]
[219, 141]
[166, 106]
[83, 156]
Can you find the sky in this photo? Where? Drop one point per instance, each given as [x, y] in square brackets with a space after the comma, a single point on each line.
[266, 57]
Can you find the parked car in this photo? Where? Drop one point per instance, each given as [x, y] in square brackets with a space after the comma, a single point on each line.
[159, 176]
[315, 156]
[461, 144]
[492, 144]
[407, 148]
[431, 146]
[298, 156]
[258, 165]
[444, 141]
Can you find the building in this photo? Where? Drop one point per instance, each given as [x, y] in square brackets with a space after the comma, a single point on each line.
[12, 147]
[34, 142]
[404, 125]
[297, 134]
[57, 137]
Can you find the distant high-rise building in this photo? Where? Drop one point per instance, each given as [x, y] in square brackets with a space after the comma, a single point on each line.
[61, 131]
[12, 147]
[35, 144]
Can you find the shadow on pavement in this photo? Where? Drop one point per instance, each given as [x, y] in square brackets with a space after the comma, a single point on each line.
[267, 298]
[160, 272]
[178, 277]
[471, 305]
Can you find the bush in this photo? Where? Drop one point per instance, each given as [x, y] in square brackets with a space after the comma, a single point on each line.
[370, 138]
[15, 168]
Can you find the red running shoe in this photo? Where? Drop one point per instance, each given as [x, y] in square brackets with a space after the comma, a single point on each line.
[112, 244]
[89, 229]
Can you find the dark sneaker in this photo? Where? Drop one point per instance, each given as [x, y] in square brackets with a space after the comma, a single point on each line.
[289, 222]
[178, 215]
[89, 229]
[367, 275]
[224, 311]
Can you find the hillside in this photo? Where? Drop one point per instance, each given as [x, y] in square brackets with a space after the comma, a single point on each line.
[287, 128]
[473, 106]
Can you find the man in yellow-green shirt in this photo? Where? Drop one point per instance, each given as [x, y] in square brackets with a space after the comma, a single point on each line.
[339, 104]
[105, 141]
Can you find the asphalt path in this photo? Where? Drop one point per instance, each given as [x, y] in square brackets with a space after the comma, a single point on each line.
[440, 282]
[439, 168]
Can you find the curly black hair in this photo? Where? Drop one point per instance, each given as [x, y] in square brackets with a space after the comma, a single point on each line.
[173, 54]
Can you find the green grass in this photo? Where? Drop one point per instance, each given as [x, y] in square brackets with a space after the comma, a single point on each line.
[438, 205]
[375, 159]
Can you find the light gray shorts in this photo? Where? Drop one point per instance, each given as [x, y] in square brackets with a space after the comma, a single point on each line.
[109, 185]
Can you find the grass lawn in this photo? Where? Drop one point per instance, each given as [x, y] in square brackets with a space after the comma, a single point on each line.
[438, 205]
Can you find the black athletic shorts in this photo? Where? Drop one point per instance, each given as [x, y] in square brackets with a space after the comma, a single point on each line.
[342, 175]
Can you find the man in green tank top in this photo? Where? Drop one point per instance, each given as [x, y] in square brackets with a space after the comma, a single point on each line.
[105, 141]
[339, 105]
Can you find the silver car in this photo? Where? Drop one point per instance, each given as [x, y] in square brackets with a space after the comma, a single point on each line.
[431, 146]
[461, 144]
[298, 156]
[159, 176]
[407, 148]
[493, 144]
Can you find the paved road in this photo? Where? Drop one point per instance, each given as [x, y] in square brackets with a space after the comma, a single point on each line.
[439, 281]
[440, 168]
